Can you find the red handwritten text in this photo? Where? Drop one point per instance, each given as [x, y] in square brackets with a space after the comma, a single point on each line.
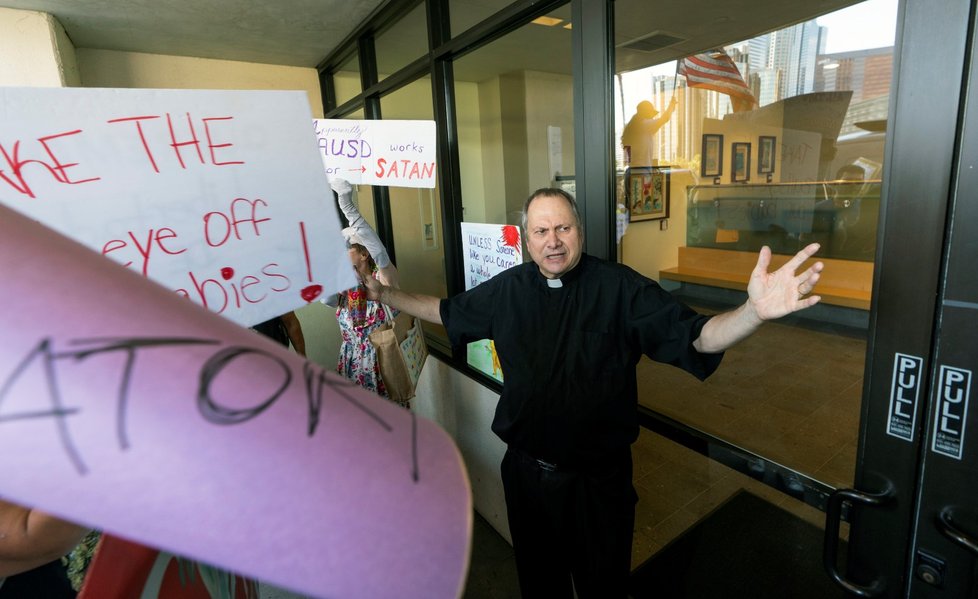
[179, 142]
[406, 169]
[217, 296]
[156, 237]
[218, 226]
[54, 167]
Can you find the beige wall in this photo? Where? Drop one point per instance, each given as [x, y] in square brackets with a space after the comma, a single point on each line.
[493, 165]
[516, 110]
[35, 50]
[109, 68]
[646, 247]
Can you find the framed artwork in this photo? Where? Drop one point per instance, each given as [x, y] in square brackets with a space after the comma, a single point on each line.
[740, 162]
[765, 154]
[712, 155]
[648, 192]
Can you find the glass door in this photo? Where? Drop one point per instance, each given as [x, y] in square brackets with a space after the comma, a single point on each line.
[913, 510]
[839, 128]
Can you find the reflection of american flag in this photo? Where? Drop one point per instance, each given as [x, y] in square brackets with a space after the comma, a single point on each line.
[716, 71]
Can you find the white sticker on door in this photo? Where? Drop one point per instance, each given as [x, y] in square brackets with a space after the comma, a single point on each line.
[904, 393]
[951, 419]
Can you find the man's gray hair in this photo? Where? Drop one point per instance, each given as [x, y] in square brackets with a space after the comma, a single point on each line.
[553, 192]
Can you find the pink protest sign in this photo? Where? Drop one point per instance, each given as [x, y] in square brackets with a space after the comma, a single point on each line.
[130, 409]
[218, 195]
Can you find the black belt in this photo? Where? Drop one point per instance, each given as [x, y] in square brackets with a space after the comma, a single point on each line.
[541, 464]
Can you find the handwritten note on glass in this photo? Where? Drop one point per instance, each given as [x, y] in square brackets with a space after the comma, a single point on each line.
[487, 250]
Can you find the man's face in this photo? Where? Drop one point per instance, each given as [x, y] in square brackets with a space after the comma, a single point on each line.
[553, 237]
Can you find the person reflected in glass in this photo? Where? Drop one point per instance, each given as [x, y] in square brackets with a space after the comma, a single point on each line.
[638, 137]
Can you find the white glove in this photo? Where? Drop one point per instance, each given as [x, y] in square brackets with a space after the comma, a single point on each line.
[367, 236]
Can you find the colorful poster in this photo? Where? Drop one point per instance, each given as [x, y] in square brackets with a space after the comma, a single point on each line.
[487, 250]
[131, 410]
[386, 152]
[219, 196]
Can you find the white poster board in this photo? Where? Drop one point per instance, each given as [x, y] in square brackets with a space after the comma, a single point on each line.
[384, 152]
[487, 250]
[218, 196]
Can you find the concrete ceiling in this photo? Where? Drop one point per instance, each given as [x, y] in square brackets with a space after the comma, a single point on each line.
[303, 32]
[295, 33]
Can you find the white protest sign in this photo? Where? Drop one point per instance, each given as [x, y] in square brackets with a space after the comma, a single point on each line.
[487, 250]
[384, 152]
[217, 195]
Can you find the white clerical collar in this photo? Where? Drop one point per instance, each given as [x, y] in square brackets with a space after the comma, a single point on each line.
[554, 283]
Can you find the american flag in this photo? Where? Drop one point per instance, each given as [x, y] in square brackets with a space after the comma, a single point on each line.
[715, 70]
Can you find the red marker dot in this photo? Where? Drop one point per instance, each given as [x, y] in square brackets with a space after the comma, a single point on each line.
[227, 272]
[311, 292]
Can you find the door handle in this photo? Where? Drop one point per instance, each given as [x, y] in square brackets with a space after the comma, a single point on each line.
[945, 524]
[833, 520]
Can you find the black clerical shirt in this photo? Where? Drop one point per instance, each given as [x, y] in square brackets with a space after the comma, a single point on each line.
[568, 353]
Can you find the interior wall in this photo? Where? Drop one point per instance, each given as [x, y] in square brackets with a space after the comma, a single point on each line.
[465, 408]
[512, 109]
[476, 205]
[549, 103]
[36, 51]
[645, 246]
[110, 68]
[493, 165]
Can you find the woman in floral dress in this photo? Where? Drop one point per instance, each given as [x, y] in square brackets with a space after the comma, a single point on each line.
[356, 315]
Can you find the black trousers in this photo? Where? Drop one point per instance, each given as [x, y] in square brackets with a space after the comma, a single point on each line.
[572, 530]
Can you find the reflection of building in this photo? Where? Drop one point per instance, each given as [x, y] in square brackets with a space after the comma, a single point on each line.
[789, 56]
[867, 73]
[765, 84]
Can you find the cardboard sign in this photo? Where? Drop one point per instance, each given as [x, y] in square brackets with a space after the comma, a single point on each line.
[387, 152]
[217, 195]
[131, 410]
[487, 250]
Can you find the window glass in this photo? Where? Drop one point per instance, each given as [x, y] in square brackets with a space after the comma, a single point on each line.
[774, 140]
[416, 213]
[466, 13]
[346, 80]
[515, 133]
[403, 43]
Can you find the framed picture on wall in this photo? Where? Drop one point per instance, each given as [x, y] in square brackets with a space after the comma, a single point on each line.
[648, 192]
[765, 154]
[712, 155]
[740, 162]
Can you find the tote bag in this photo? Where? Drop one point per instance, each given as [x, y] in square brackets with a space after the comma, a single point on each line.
[401, 353]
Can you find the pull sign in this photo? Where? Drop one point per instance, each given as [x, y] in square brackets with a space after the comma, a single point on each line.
[904, 393]
[952, 412]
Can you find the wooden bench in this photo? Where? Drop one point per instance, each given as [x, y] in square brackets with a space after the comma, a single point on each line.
[846, 283]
